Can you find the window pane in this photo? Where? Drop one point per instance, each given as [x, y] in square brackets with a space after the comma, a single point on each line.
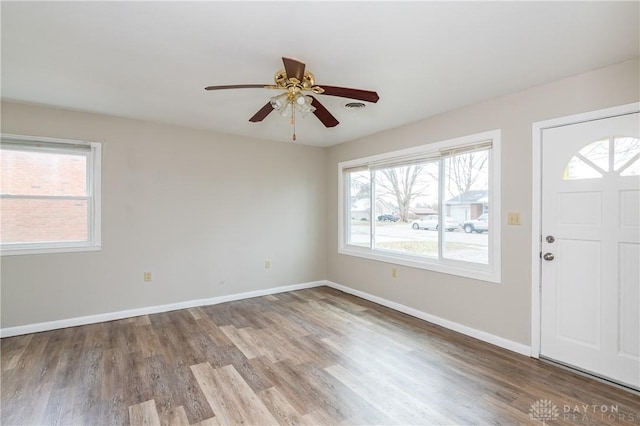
[466, 207]
[404, 195]
[578, 169]
[43, 173]
[598, 153]
[359, 231]
[624, 150]
[632, 170]
[37, 221]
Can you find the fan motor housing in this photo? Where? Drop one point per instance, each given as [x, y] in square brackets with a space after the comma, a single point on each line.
[282, 80]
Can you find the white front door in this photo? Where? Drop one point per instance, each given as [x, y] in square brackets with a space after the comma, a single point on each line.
[590, 301]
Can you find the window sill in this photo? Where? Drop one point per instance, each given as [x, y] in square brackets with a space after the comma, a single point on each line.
[48, 250]
[451, 267]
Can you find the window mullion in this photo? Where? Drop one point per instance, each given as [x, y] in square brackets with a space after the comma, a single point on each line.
[346, 214]
[90, 192]
[372, 208]
[441, 212]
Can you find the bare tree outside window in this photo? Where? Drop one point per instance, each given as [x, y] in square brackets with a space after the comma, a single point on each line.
[466, 171]
[404, 184]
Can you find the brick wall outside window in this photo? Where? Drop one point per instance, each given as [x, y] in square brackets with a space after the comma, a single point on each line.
[27, 173]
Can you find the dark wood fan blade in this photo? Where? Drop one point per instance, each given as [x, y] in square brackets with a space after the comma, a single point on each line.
[323, 114]
[260, 115]
[238, 86]
[293, 68]
[345, 92]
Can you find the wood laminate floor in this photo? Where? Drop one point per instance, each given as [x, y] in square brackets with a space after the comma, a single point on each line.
[308, 357]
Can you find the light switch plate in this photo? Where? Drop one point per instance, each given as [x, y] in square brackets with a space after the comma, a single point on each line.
[513, 218]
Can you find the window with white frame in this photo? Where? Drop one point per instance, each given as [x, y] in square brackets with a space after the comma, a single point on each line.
[434, 207]
[49, 195]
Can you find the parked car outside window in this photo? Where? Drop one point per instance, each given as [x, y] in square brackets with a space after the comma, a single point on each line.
[431, 222]
[388, 218]
[479, 225]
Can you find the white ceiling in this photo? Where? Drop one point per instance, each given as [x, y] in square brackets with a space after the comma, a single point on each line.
[152, 60]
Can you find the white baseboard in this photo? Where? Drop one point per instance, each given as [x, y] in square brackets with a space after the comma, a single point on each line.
[472, 332]
[110, 316]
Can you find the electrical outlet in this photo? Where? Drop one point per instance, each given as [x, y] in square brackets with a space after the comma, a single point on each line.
[513, 218]
[394, 273]
[147, 277]
[267, 264]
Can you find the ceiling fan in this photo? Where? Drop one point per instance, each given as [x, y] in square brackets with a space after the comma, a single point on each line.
[295, 80]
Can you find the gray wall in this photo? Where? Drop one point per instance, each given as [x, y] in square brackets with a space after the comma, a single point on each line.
[194, 208]
[500, 309]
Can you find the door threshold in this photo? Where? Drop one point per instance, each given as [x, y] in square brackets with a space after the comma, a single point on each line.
[590, 375]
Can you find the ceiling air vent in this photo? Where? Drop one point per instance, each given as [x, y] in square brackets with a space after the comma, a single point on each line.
[354, 105]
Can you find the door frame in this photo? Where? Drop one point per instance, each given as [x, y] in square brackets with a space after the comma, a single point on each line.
[536, 204]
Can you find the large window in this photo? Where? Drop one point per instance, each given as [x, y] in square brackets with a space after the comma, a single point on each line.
[49, 195]
[434, 207]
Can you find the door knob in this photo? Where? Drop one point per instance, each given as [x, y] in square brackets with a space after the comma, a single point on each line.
[548, 256]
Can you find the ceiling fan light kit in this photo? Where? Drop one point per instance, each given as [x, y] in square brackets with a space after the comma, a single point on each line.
[287, 103]
[295, 80]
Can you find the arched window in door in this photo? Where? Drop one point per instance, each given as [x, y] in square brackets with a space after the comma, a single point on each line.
[617, 154]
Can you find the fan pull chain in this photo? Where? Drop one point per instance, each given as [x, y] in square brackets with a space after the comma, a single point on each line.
[293, 120]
